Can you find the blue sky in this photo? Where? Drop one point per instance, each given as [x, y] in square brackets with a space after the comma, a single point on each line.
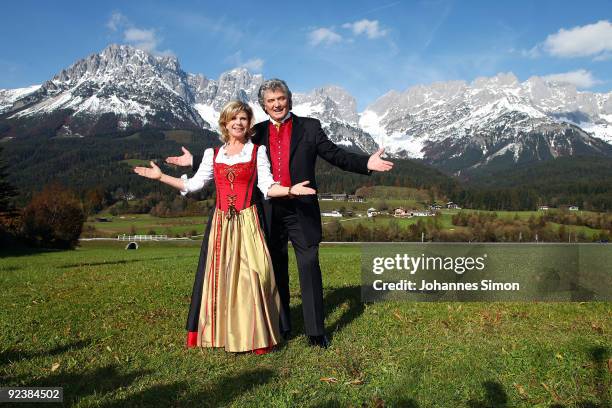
[367, 47]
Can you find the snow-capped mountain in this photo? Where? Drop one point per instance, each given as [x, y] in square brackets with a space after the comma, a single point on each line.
[337, 111]
[124, 89]
[9, 96]
[211, 95]
[459, 126]
[120, 88]
[455, 125]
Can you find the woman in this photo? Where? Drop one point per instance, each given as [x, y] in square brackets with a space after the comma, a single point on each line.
[238, 308]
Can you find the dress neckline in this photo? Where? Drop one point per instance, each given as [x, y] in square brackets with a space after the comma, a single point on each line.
[241, 153]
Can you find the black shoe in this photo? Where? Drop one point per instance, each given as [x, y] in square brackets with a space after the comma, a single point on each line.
[320, 341]
[286, 334]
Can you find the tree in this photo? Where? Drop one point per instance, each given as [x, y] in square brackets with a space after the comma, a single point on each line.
[54, 218]
[7, 190]
[95, 200]
[9, 220]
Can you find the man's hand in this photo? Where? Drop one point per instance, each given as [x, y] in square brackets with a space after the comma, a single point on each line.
[152, 172]
[376, 163]
[185, 160]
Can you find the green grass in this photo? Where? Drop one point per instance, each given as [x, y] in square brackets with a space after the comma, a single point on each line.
[180, 226]
[445, 221]
[179, 136]
[523, 215]
[143, 223]
[391, 192]
[136, 162]
[108, 325]
[576, 229]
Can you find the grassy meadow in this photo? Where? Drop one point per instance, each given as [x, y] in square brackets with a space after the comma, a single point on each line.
[108, 325]
[186, 226]
[144, 223]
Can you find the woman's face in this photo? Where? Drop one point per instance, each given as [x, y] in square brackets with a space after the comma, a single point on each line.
[238, 126]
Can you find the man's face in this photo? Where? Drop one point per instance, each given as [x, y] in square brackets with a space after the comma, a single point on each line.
[276, 103]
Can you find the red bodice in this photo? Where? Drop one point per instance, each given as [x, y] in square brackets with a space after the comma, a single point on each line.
[235, 182]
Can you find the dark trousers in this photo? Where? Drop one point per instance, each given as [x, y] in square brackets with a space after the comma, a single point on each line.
[285, 226]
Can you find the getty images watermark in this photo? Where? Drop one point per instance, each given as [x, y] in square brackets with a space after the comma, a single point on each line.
[486, 272]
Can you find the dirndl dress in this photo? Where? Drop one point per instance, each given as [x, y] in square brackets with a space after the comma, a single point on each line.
[235, 302]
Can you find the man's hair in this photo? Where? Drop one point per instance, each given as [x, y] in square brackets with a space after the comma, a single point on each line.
[274, 84]
[229, 112]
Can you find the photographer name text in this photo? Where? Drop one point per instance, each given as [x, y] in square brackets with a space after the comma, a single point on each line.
[430, 286]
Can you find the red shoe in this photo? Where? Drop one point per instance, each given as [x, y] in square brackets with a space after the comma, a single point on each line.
[192, 339]
[264, 350]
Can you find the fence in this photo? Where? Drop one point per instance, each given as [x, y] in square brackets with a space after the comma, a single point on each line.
[125, 237]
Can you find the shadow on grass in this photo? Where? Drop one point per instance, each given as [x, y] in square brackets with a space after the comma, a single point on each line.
[599, 356]
[27, 251]
[78, 385]
[182, 393]
[9, 268]
[601, 380]
[12, 355]
[119, 262]
[495, 396]
[348, 298]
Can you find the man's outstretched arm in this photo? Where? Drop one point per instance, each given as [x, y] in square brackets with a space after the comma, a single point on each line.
[356, 163]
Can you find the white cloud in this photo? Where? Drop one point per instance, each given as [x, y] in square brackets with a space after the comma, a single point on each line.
[323, 36]
[143, 39]
[254, 64]
[535, 52]
[603, 57]
[580, 78]
[582, 41]
[116, 21]
[368, 27]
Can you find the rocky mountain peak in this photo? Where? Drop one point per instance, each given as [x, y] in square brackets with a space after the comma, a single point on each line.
[329, 103]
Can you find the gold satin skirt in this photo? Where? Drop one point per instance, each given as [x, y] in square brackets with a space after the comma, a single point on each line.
[240, 302]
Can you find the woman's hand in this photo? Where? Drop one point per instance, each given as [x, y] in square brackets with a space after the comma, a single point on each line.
[153, 172]
[301, 189]
[185, 160]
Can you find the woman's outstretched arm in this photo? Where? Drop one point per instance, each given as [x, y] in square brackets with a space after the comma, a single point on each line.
[155, 173]
[184, 183]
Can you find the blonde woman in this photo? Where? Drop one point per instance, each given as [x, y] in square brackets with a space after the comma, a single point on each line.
[235, 302]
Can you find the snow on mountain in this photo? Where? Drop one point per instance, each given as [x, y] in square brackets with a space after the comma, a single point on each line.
[328, 104]
[337, 111]
[455, 125]
[211, 95]
[488, 119]
[121, 87]
[124, 88]
[238, 84]
[9, 96]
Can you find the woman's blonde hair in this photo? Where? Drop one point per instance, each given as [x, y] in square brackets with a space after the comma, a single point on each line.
[229, 112]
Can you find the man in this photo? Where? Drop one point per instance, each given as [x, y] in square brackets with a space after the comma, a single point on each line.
[293, 144]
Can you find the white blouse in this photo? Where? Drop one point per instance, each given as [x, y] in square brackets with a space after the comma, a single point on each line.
[205, 172]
